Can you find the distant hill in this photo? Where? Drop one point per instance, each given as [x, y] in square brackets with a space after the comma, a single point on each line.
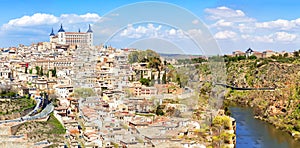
[178, 56]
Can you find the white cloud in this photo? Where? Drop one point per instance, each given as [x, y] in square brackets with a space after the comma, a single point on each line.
[172, 32]
[222, 23]
[279, 24]
[278, 37]
[74, 18]
[225, 35]
[246, 28]
[36, 19]
[42, 19]
[141, 31]
[151, 31]
[227, 14]
[36, 27]
[264, 39]
[230, 24]
[284, 37]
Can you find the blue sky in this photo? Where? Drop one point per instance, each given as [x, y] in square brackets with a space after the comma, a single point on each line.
[235, 24]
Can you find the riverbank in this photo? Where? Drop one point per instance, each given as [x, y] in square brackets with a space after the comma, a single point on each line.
[281, 113]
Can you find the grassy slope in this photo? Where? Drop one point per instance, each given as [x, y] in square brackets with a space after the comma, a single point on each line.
[37, 131]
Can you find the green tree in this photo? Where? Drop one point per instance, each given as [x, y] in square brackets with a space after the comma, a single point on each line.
[145, 81]
[274, 56]
[26, 69]
[142, 74]
[152, 79]
[164, 78]
[252, 57]
[286, 55]
[158, 79]
[159, 110]
[41, 71]
[54, 72]
[30, 71]
[178, 80]
[37, 68]
[241, 58]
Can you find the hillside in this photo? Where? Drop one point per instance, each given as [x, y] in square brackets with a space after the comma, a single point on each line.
[280, 107]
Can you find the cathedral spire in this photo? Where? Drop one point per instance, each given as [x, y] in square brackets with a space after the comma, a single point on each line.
[61, 29]
[52, 33]
[90, 29]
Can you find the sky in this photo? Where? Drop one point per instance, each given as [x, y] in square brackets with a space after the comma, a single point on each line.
[234, 24]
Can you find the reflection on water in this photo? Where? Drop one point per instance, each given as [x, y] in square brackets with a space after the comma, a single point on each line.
[254, 133]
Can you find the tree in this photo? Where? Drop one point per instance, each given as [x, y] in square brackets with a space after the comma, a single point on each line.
[41, 71]
[37, 68]
[252, 57]
[84, 92]
[30, 71]
[165, 62]
[47, 74]
[158, 79]
[154, 62]
[133, 57]
[159, 110]
[286, 55]
[164, 78]
[152, 79]
[296, 53]
[241, 58]
[145, 81]
[273, 56]
[142, 56]
[178, 80]
[54, 72]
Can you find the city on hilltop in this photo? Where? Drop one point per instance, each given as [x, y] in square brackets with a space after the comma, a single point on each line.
[144, 74]
[83, 95]
[93, 96]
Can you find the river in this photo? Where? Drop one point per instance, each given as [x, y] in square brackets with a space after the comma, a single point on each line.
[254, 133]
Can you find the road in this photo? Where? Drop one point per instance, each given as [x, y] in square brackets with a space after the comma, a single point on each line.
[45, 112]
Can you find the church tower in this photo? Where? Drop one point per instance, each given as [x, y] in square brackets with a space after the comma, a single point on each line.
[51, 36]
[61, 35]
[90, 38]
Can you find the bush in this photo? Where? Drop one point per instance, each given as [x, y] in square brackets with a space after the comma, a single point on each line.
[145, 81]
[159, 110]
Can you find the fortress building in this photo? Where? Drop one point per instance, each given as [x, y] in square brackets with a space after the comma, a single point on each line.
[72, 38]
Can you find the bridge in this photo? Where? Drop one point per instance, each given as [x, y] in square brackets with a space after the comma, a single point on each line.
[242, 88]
